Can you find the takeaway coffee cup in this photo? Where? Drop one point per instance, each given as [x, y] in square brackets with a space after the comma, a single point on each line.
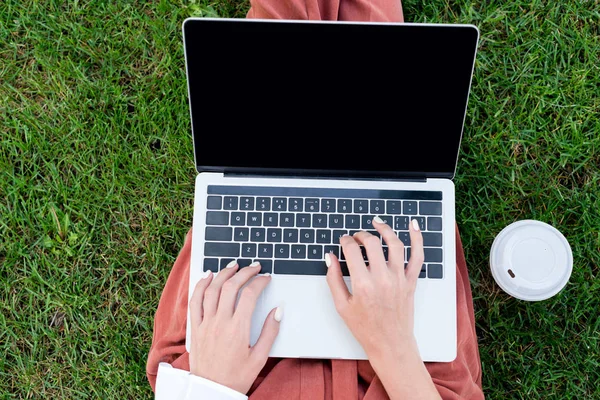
[531, 260]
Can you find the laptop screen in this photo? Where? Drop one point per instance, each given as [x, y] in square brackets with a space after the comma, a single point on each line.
[328, 98]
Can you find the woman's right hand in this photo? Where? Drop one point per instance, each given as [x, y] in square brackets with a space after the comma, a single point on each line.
[380, 310]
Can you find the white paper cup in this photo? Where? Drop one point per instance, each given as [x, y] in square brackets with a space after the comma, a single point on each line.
[531, 260]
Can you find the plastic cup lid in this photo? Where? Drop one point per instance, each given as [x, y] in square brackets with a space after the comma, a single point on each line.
[531, 260]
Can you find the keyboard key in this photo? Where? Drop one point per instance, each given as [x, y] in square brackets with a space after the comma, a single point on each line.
[290, 235]
[336, 221]
[423, 272]
[421, 221]
[328, 205]
[254, 219]
[263, 204]
[241, 234]
[432, 239]
[337, 234]
[377, 207]
[249, 250]
[218, 233]
[387, 219]
[279, 204]
[286, 220]
[344, 268]
[298, 251]
[361, 206]
[238, 218]
[434, 271]
[230, 203]
[367, 222]
[332, 249]
[258, 235]
[225, 261]
[244, 262]
[300, 267]
[213, 202]
[404, 236]
[344, 206]
[319, 220]
[393, 207]
[385, 252]
[217, 218]
[434, 224]
[282, 251]
[400, 223]
[295, 204]
[430, 208]
[311, 205]
[266, 266]
[303, 220]
[211, 264]
[323, 236]
[352, 221]
[409, 207]
[247, 203]
[274, 235]
[265, 250]
[270, 219]
[307, 236]
[315, 252]
[214, 249]
[433, 255]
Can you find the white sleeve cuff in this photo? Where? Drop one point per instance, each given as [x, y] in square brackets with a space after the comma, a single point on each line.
[173, 383]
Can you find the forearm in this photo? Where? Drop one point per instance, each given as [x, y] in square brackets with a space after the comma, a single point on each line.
[404, 375]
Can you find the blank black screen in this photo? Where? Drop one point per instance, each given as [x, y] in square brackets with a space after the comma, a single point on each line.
[365, 99]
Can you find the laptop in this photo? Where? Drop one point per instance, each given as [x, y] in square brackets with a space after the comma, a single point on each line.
[304, 131]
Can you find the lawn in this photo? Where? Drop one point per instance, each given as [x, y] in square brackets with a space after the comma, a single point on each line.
[96, 186]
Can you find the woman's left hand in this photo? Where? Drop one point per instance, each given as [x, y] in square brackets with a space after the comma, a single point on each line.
[220, 349]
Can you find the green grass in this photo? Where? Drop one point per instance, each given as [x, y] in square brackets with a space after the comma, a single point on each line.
[96, 186]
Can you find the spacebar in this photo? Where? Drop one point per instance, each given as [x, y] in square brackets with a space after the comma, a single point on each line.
[299, 267]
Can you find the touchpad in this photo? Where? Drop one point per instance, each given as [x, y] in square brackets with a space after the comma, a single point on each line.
[311, 326]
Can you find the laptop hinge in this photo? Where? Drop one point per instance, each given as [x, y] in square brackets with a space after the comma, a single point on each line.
[332, 177]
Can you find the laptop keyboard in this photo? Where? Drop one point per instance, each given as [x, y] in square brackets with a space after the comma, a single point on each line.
[289, 230]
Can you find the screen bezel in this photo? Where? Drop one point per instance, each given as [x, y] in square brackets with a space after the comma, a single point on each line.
[402, 175]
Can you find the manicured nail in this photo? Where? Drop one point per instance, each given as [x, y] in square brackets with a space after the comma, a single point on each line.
[278, 314]
[254, 264]
[267, 274]
[415, 225]
[206, 274]
[231, 264]
[327, 260]
[378, 220]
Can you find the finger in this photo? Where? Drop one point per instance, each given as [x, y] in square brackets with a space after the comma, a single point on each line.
[372, 245]
[417, 255]
[335, 280]
[230, 289]
[196, 311]
[249, 297]
[267, 337]
[213, 291]
[395, 245]
[354, 258]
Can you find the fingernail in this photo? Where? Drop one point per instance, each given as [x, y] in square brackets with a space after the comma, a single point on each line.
[267, 274]
[254, 264]
[378, 220]
[231, 264]
[278, 314]
[327, 260]
[415, 225]
[206, 274]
